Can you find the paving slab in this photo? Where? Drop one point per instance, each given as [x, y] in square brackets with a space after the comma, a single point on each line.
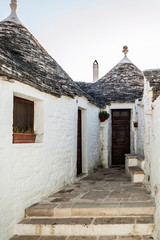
[106, 185]
[25, 238]
[107, 238]
[53, 238]
[82, 238]
[103, 203]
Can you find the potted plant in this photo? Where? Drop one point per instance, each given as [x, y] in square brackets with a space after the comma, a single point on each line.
[135, 124]
[103, 115]
[23, 136]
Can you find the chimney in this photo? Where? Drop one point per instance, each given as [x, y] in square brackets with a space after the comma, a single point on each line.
[95, 71]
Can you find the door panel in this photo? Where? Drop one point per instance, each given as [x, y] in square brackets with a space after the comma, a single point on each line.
[120, 136]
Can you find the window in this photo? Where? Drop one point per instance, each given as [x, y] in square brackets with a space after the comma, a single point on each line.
[23, 115]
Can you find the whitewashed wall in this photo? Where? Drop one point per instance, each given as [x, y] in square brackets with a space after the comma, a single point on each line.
[31, 172]
[139, 131]
[155, 161]
[147, 98]
[152, 151]
[106, 132]
[90, 135]
[105, 140]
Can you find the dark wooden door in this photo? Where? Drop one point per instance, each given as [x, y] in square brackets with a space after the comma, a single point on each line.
[120, 136]
[79, 143]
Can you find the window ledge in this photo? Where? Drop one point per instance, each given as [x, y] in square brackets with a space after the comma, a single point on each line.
[25, 145]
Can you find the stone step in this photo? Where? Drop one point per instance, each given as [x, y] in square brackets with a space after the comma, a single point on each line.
[140, 162]
[86, 226]
[29, 237]
[136, 174]
[133, 160]
[92, 210]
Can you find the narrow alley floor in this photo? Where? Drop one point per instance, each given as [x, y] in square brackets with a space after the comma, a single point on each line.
[104, 200]
[104, 186]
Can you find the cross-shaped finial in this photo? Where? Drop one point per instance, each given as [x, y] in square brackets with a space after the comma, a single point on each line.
[125, 50]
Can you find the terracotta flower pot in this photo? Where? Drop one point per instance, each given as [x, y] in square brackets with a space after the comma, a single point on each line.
[102, 119]
[23, 138]
[135, 124]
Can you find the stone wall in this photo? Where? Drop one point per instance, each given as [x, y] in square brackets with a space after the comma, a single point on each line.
[139, 131]
[31, 172]
[106, 132]
[147, 98]
[152, 150]
[155, 161]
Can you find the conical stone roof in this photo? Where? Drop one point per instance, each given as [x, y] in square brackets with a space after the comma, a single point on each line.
[123, 84]
[22, 58]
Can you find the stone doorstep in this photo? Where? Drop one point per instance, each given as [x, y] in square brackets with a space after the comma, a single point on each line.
[136, 173]
[140, 164]
[86, 226]
[86, 210]
[136, 170]
[135, 156]
[131, 163]
[81, 238]
[131, 156]
[134, 163]
[134, 160]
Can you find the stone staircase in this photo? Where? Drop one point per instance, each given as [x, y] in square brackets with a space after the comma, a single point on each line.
[134, 164]
[98, 207]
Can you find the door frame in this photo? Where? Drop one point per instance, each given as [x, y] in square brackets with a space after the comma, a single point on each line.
[84, 149]
[120, 106]
[79, 143]
[122, 109]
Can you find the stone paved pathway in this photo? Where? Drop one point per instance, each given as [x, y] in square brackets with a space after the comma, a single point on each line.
[81, 238]
[99, 193]
[104, 186]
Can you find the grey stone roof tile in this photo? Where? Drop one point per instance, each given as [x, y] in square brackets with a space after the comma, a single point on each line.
[24, 59]
[124, 83]
[153, 76]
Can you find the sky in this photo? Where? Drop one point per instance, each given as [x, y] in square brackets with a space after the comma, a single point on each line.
[76, 32]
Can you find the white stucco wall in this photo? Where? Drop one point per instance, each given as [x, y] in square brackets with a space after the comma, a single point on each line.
[152, 151]
[147, 99]
[105, 140]
[153, 131]
[106, 132]
[155, 162]
[90, 135]
[139, 131]
[31, 172]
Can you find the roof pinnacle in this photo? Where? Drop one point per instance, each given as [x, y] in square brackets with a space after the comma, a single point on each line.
[13, 16]
[14, 5]
[125, 50]
[125, 59]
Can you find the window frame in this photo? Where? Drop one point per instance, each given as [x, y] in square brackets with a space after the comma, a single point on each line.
[23, 100]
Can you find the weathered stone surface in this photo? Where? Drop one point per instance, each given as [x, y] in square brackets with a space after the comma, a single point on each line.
[90, 197]
[153, 76]
[82, 238]
[26, 238]
[53, 238]
[56, 221]
[22, 58]
[91, 220]
[124, 83]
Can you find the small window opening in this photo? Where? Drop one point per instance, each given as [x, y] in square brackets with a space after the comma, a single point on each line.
[23, 115]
